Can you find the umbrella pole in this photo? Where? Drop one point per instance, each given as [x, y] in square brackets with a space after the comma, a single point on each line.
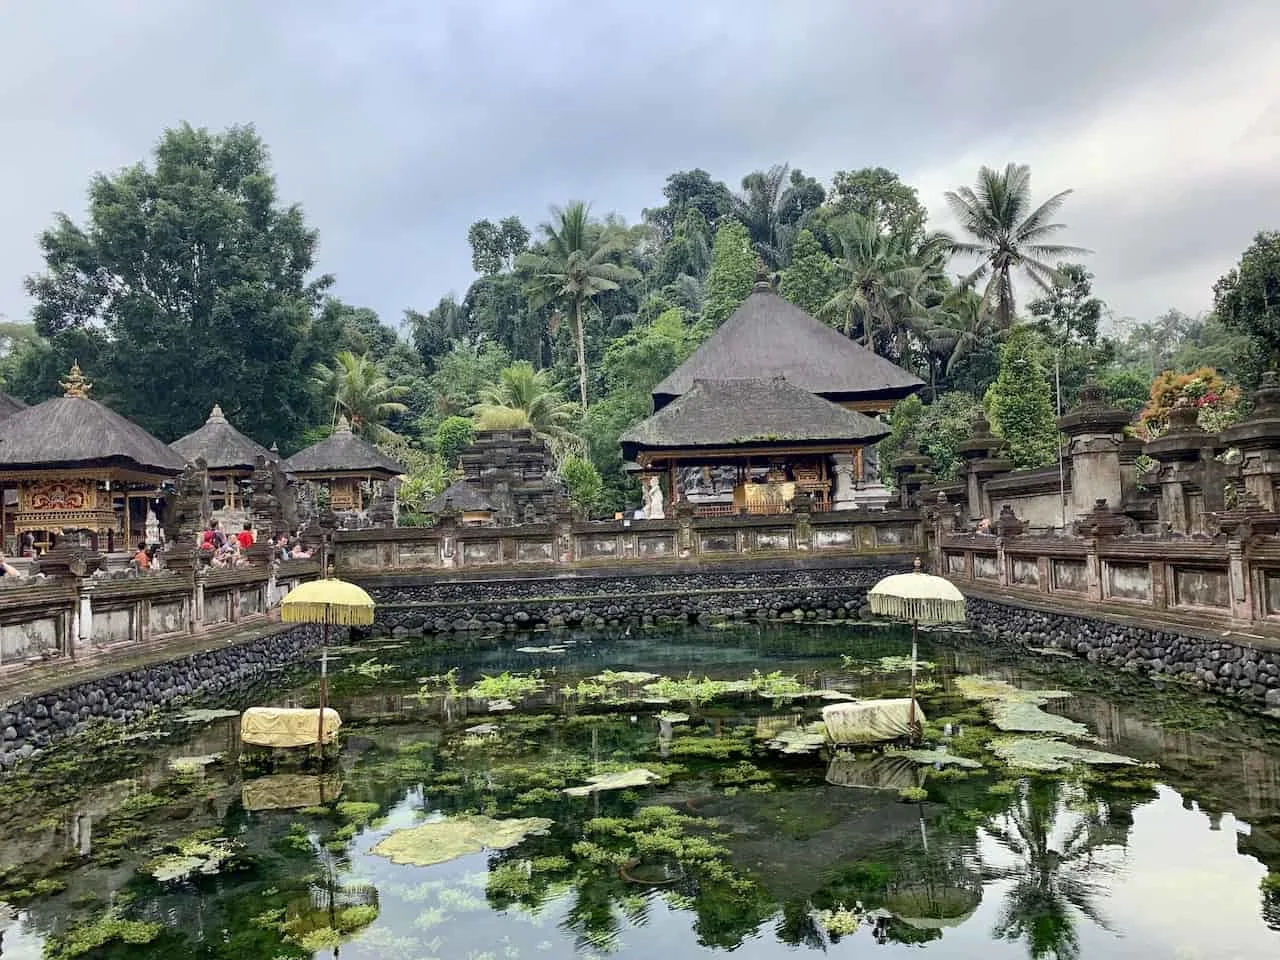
[324, 688]
[915, 639]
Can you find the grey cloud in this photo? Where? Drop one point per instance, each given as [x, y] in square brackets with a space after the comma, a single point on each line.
[397, 124]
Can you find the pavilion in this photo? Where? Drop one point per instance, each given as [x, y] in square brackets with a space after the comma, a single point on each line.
[344, 463]
[80, 466]
[228, 454]
[775, 403]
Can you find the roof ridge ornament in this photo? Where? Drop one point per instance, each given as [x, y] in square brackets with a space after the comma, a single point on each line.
[216, 415]
[75, 385]
[344, 425]
[764, 283]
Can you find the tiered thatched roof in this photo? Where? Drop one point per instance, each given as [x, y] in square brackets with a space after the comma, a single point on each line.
[768, 337]
[74, 431]
[10, 405]
[342, 453]
[222, 446]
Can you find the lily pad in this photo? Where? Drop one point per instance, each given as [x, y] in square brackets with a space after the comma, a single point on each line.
[443, 840]
[808, 738]
[625, 780]
[1017, 716]
[1051, 756]
[673, 716]
[989, 688]
[204, 716]
[938, 758]
[622, 677]
[552, 649]
[194, 857]
[500, 706]
[482, 729]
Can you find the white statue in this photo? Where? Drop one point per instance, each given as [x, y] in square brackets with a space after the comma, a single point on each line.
[653, 510]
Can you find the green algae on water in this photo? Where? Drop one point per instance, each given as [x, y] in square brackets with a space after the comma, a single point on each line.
[623, 780]
[937, 757]
[85, 938]
[1053, 756]
[443, 840]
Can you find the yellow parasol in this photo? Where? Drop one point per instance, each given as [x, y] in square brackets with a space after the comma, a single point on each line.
[328, 602]
[921, 598]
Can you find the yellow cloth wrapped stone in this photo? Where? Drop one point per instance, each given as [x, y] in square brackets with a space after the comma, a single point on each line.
[285, 727]
[869, 721]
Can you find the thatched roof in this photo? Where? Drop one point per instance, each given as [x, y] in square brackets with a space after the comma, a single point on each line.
[768, 337]
[222, 445]
[10, 405]
[73, 430]
[342, 452]
[734, 413]
[468, 497]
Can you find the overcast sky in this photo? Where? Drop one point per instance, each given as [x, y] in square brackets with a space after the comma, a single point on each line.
[397, 124]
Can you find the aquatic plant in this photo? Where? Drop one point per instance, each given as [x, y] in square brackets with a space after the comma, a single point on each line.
[884, 665]
[605, 782]
[84, 938]
[802, 738]
[506, 686]
[936, 757]
[356, 812]
[840, 922]
[195, 855]
[430, 686]
[621, 678]
[1052, 756]
[370, 669]
[453, 837]
[913, 794]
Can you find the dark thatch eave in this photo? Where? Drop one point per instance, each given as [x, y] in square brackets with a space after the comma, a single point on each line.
[342, 453]
[465, 497]
[768, 337]
[10, 405]
[739, 413]
[76, 431]
[222, 446]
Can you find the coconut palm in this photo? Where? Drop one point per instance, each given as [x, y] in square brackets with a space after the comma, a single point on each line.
[523, 397]
[576, 261]
[359, 390]
[1008, 234]
[881, 279]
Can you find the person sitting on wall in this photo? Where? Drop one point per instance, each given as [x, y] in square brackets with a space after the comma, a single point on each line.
[984, 526]
[299, 552]
[7, 569]
[142, 559]
[245, 536]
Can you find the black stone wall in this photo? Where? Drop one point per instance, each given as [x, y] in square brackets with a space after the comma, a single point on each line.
[1221, 666]
[27, 726]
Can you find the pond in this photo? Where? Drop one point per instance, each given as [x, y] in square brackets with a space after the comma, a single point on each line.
[702, 814]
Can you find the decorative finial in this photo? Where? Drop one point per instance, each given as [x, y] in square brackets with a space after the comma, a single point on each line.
[762, 275]
[344, 425]
[916, 565]
[215, 416]
[275, 447]
[75, 385]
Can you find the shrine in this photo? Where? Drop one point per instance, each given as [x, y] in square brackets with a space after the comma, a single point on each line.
[773, 405]
[508, 477]
[348, 466]
[80, 467]
[229, 457]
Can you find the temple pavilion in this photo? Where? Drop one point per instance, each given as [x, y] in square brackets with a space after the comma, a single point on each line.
[344, 463]
[228, 454]
[79, 466]
[776, 403]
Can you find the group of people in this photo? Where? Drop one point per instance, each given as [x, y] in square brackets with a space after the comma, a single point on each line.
[228, 550]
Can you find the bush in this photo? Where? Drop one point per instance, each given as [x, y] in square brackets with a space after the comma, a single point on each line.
[453, 436]
[582, 480]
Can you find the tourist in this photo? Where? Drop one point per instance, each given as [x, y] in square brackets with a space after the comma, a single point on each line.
[7, 569]
[27, 545]
[298, 552]
[219, 538]
[245, 536]
[142, 559]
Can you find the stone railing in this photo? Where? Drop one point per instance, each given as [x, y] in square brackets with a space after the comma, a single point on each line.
[1213, 582]
[568, 544]
[69, 616]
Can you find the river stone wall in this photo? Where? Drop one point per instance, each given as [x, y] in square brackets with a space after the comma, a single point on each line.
[27, 726]
[457, 606]
[1231, 669]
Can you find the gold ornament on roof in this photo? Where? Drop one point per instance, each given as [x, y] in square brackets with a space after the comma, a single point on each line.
[76, 385]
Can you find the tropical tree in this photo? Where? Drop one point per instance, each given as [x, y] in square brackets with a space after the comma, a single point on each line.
[1247, 297]
[357, 388]
[1020, 402]
[575, 262]
[772, 206]
[963, 331]
[523, 396]
[733, 272]
[1008, 233]
[879, 281]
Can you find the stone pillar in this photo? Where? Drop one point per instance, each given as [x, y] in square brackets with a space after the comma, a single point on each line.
[85, 637]
[844, 496]
[802, 507]
[197, 599]
[1093, 571]
[1095, 433]
[982, 461]
[1241, 601]
[684, 530]
[1258, 440]
[911, 467]
[1180, 451]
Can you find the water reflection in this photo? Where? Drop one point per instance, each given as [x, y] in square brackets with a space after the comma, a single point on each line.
[737, 848]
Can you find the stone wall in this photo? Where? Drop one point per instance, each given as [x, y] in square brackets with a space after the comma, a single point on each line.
[1236, 670]
[27, 726]
[697, 596]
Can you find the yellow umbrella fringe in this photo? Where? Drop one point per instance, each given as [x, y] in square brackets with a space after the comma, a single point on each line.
[923, 610]
[338, 615]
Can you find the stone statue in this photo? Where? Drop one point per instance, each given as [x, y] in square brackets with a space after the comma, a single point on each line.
[190, 505]
[382, 512]
[266, 508]
[654, 510]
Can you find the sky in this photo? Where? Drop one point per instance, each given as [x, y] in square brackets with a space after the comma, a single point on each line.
[396, 123]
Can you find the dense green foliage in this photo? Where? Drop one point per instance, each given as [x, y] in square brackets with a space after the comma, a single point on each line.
[192, 282]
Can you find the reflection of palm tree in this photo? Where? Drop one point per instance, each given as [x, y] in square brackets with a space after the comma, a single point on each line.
[1056, 874]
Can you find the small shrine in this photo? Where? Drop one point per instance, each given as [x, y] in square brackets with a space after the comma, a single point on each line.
[80, 467]
[508, 476]
[229, 457]
[348, 466]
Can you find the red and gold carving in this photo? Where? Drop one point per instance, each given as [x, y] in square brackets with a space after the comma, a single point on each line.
[57, 496]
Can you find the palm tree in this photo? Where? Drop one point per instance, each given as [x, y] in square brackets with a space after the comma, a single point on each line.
[961, 325]
[360, 391]
[1008, 234]
[574, 263]
[881, 279]
[525, 397]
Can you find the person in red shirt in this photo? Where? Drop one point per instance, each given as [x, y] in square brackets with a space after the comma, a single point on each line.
[142, 559]
[245, 537]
